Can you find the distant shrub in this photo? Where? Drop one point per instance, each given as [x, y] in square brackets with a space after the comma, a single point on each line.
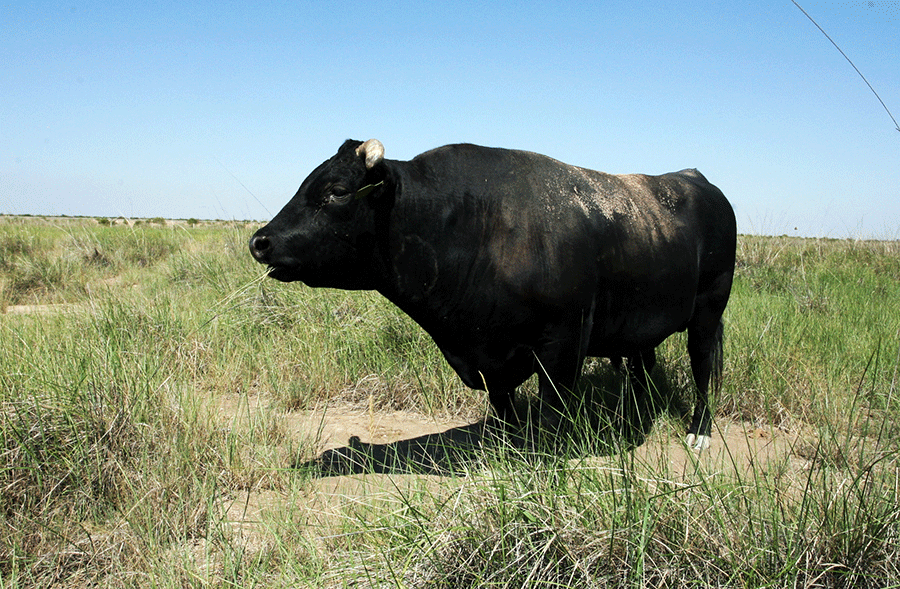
[104, 221]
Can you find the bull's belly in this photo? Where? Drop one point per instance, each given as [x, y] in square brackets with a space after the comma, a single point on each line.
[630, 333]
[483, 365]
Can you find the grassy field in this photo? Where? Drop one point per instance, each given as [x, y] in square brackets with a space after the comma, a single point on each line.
[119, 345]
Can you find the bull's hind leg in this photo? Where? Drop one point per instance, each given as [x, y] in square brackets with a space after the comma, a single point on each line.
[634, 404]
[705, 350]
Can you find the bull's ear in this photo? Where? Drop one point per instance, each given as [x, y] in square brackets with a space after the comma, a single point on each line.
[373, 152]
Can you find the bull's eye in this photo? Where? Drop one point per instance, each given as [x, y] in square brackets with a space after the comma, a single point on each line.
[338, 194]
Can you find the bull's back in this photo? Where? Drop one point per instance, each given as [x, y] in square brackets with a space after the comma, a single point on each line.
[560, 235]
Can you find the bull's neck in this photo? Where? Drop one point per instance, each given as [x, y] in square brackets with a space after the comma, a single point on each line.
[412, 248]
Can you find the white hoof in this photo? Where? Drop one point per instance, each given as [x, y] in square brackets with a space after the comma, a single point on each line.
[695, 442]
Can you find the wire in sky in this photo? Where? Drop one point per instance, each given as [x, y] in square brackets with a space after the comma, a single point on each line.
[238, 180]
[896, 126]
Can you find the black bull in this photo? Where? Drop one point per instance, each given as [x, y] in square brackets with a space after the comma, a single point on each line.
[516, 263]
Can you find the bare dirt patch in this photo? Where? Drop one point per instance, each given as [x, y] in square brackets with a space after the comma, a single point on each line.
[332, 427]
[737, 448]
[386, 443]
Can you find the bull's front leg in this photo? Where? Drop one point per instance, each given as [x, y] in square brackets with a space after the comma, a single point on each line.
[503, 400]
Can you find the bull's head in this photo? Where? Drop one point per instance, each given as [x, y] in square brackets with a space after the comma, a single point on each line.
[324, 235]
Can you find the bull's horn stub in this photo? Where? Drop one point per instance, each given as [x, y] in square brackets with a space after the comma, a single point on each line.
[373, 151]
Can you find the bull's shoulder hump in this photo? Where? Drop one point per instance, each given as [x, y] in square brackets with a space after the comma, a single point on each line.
[463, 151]
[479, 153]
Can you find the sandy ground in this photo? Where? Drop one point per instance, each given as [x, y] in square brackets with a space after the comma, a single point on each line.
[359, 458]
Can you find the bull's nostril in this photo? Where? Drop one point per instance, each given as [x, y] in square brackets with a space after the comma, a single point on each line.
[259, 245]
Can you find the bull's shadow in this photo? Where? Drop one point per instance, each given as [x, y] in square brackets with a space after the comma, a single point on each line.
[610, 417]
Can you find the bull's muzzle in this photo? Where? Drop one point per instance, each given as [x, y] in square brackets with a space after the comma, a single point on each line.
[260, 247]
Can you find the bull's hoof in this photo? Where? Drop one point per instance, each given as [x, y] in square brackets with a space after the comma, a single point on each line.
[697, 442]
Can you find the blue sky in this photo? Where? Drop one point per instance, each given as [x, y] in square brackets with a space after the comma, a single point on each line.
[219, 110]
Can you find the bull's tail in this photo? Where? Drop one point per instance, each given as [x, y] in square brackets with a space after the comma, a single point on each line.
[717, 359]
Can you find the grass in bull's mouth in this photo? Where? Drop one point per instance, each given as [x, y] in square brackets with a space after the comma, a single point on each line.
[155, 392]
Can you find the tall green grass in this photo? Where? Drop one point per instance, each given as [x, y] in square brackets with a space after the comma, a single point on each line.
[805, 319]
[117, 467]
